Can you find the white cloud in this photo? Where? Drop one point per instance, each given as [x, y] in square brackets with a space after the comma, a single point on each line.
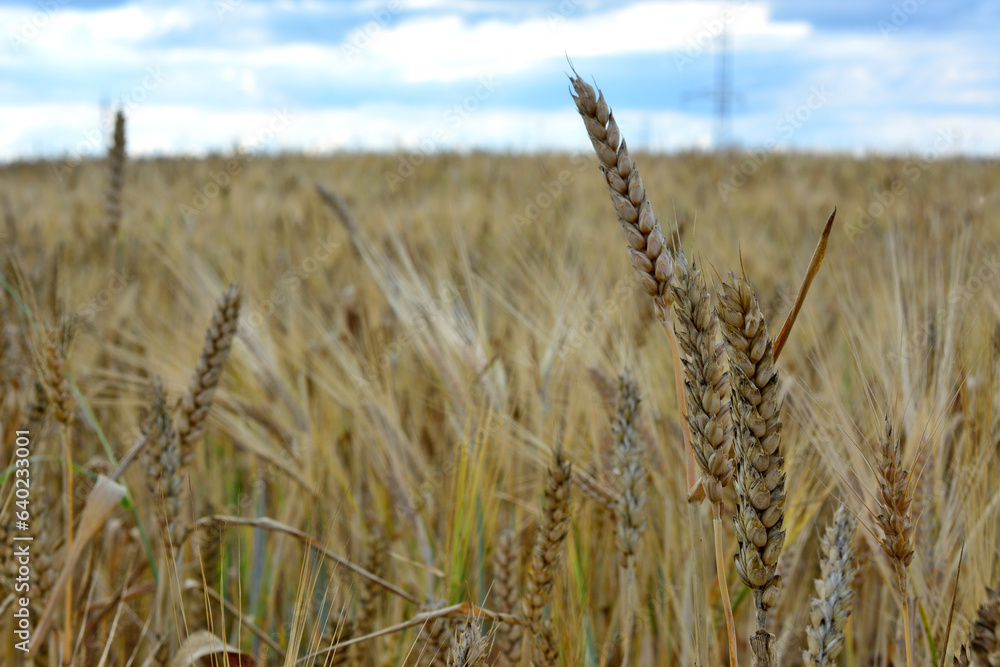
[449, 47]
[407, 45]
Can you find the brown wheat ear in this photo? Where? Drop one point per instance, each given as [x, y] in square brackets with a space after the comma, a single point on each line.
[195, 404]
[548, 549]
[646, 245]
[983, 648]
[163, 467]
[506, 563]
[706, 383]
[896, 520]
[760, 474]
[116, 172]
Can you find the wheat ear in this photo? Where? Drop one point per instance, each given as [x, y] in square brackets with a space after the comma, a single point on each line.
[116, 172]
[646, 246]
[62, 407]
[195, 404]
[630, 520]
[505, 578]
[548, 549]
[707, 383]
[435, 638]
[760, 475]
[707, 406]
[163, 465]
[832, 605]
[896, 520]
[470, 648]
[369, 593]
[983, 646]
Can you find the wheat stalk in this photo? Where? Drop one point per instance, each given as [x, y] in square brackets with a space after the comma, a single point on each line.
[896, 520]
[832, 605]
[195, 404]
[760, 475]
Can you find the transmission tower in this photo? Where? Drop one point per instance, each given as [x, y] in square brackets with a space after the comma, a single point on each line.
[723, 96]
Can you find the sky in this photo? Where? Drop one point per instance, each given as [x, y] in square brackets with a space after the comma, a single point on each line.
[200, 76]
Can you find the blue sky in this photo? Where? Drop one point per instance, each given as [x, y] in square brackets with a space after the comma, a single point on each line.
[207, 75]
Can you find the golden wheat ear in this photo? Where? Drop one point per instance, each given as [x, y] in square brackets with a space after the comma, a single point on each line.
[196, 403]
[760, 474]
[506, 566]
[646, 245]
[896, 520]
[547, 554]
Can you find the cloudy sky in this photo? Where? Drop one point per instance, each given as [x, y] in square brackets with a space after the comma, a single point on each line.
[208, 75]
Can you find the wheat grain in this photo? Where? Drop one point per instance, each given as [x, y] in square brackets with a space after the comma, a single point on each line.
[832, 605]
[195, 404]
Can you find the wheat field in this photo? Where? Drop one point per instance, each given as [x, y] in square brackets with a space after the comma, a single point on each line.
[407, 409]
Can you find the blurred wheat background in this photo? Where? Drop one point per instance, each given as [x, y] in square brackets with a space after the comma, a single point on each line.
[403, 370]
